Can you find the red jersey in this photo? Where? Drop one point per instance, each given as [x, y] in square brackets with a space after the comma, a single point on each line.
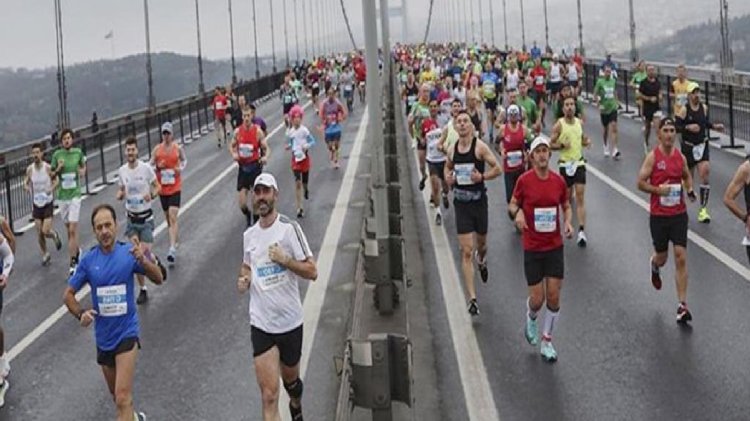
[428, 125]
[248, 144]
[540, 201]
[167, 169]
[360, 72]
[578, 60]
[514, 143]
[220, 104]
[668, 170]
[538, 74]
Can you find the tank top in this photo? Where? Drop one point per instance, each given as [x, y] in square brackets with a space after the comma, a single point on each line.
[463, 164]
[668, 170]
[514, 143]
[573, 73]
[554, 73]
[167, 164]
[411, 95]
[512, 80]
[476, 119]
[248, 145]
[41, 185]
[695, 117]
[572, 156]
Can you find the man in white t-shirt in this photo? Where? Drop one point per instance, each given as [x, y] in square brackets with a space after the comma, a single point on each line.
[138, 186]
[275, 258]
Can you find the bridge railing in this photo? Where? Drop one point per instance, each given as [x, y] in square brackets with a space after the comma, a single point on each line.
[727, 103]
[103, 144]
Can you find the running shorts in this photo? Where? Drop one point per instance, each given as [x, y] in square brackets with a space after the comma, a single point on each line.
[288, 343]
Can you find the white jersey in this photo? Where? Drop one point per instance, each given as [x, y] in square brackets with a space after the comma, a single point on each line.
[41, 185]
[460, 94]
[555, 72]
[434, 155]
[512, 79]
[137, 183]
[275, 304]
[299, 140]
[572, 73]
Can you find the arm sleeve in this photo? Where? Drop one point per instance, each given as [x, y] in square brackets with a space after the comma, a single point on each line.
[7, 256]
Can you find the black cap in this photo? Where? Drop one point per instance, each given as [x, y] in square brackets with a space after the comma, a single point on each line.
[666, 121]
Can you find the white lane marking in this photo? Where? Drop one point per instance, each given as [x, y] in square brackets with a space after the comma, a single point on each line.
[480, 403]
[45, 325]
[316, 292]
[701, 242]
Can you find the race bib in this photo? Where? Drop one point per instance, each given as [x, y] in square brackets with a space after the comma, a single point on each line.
[698, 151]
[41, 199]
[539, 80]
[167, 177]
[570, 168]
[315, 85]
[271, 275]
[134, 201]
[411, 99]
[545, 219]
[245, 150]
[489, 88]
[463, 174]
[69, 181]
[514, 158]
[348, 88]
[681, 99]
[299, 154]
[673, 197]
[113, 300]
[609, 92]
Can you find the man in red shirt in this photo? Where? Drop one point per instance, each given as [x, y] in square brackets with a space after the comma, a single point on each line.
[220, 104]
[537, 198]
[539, 81]
[663, 175]
[360, 72]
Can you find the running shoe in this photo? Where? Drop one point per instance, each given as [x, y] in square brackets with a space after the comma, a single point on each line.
[46, 259]
[140, 416]
[171, 256]
[683, 314]
[532, 331]
[73, 266]
[548, 351]
[161, 268]
[606, 151]
[582, 240]
[4, 368]
[295, 412]
[703, 216]
[655, 274]
[422, 183]
[616, 155]
[142, 297]
[482, 266]
[446, 203]
[438, 219]
[473, 307]
[307, 194]
[3, 390]
[56, 239]
[300, 213]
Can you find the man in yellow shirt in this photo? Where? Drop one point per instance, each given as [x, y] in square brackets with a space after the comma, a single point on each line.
[678, 91]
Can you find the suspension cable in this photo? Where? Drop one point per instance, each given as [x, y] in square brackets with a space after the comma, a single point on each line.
[429, 22]
[348, 27]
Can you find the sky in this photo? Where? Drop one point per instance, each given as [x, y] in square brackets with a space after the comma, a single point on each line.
[27, 29]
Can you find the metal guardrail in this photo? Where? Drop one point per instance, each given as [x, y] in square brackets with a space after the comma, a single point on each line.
[727, 103]
[696, 73]
[103, 144]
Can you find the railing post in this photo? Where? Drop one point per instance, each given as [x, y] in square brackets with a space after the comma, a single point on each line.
[731, 117]
[708, 107]
[148, 132]
[100, 138]
[198, 113]
[190, 120]
[182, 128]
[205, 111]
[119, 148]
[627, 90]
[86, 174]
[6, 170]
[669, 96]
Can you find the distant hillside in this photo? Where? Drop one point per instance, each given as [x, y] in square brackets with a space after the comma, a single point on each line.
[28, 98]
[700, 45]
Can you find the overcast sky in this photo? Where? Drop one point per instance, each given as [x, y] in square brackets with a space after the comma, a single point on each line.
[27, 30]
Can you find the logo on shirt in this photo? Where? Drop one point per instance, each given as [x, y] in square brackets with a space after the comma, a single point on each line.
[661, 165]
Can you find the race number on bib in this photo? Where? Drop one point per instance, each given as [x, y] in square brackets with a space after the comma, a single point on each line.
[41, 199]
[609, 92]
[271, 275]
[514, 158]
[69, 181]
[113, 300]
[463, 174]
[673, 197]
[570, 168]
[245, 150]
[167, 177]
[545, 219]
[698, 151]
[299, 155]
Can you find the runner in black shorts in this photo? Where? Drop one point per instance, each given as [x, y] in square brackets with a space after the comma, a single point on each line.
[649, 92]
[288, 343]
[250, 150]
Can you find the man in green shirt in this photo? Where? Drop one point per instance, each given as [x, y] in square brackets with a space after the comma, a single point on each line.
[605, 95]
[530, 110]
[69, 165]
[639, 75]
[420, 111]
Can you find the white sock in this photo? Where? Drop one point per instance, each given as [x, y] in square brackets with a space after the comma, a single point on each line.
[531, 314]
[143, 288]
[550, 318]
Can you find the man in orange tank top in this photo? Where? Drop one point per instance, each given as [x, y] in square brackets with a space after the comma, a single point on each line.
[169, 160]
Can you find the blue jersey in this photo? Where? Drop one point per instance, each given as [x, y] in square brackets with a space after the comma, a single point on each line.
[112, 292]
[489, 84]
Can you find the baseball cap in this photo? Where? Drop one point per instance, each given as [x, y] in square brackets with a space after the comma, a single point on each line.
[666, 121]
[266, 179]
[514, 110]
[538, 142]
[167, 127]
[692, 86]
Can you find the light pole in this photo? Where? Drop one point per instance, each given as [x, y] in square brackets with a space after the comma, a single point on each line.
[255, 40]
[481, 24]
[304, 28]
[151, 99]
[63, 119]
[231, 43]
[727, 60]
[580, 29]
[546, 26]
[273, 38]
[286, 35]
[466, 24]
[201, 87]
[523, 28]
[492, 24]
[473, 30]
[296, 29]
[505, 25]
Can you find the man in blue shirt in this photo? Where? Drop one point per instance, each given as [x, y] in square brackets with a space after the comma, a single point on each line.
[109, 268]
[536, 52]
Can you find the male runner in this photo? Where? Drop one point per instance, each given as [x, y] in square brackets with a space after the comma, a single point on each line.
[537, 199]
[276, 257]
[432, 133]
[299, 141]
[678, 91]
[512, 149]
[663, 175]
[649, 93]
[169, 160]
[605, 95]
[418, 113]
[69, 165]
[740, 183]
[250, 150]
[465, 171]
[40, 184]
[490, 87]
[220, 105]
[332, 113]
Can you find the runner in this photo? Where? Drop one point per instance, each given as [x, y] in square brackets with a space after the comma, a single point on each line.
[605, 96]
[250, 150]
[7, 259]
[678, 91]
[530, 111]
[332, 113]
[313, 80]
[491, 85]
[639, 75]
[288, 98]
[512, 149]
[432, 133]
[566, 91]
[299, 141]
[693, 124]
[69, 166]
[410, 92]
[664, 174]
[220, 104]
[538, 196]
[40, 184]
[169, 160]
[347, 83]
[740, 183]
[649, 93]
[108, 268]
[555, 78]
[360, 71]
[568, 137]
[138, 186]
[465, 172]
[419, 112]
[276, 257]
[539, 77]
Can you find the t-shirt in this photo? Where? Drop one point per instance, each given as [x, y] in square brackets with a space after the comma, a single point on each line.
[649, 88]
[110, 276]
[680, 95]
[70, 186]
[538, 74]
[637, 78]
[275, 305]
[489, 85]
[299, 141]
[606, 90]
[540, 201]
[431, 132]
[137, 182]
[220, 106]
[420, 112]
[529, 110]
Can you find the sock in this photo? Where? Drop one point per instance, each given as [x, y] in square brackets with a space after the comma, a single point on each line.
[143, 288]
[580, 228]
[705, 189]
[549, 321]
[682, 304]
[531, 314]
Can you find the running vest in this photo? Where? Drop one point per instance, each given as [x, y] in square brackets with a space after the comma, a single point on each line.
[41, 185]
[555, 74]
[572, 156]
[248, 145]
[573, 73]
[695, 117]
[411, 96]
[512, 80]
[463, 165]
[668, 170]
[167, 162]
[514, 143]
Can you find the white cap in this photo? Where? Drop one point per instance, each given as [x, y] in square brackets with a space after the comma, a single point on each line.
[167, 127]
[266, 179]
[539, 141]
[514, 110]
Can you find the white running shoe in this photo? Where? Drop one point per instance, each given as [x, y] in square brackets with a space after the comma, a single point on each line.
[606, 151]
[3, 390]
[582, 240]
